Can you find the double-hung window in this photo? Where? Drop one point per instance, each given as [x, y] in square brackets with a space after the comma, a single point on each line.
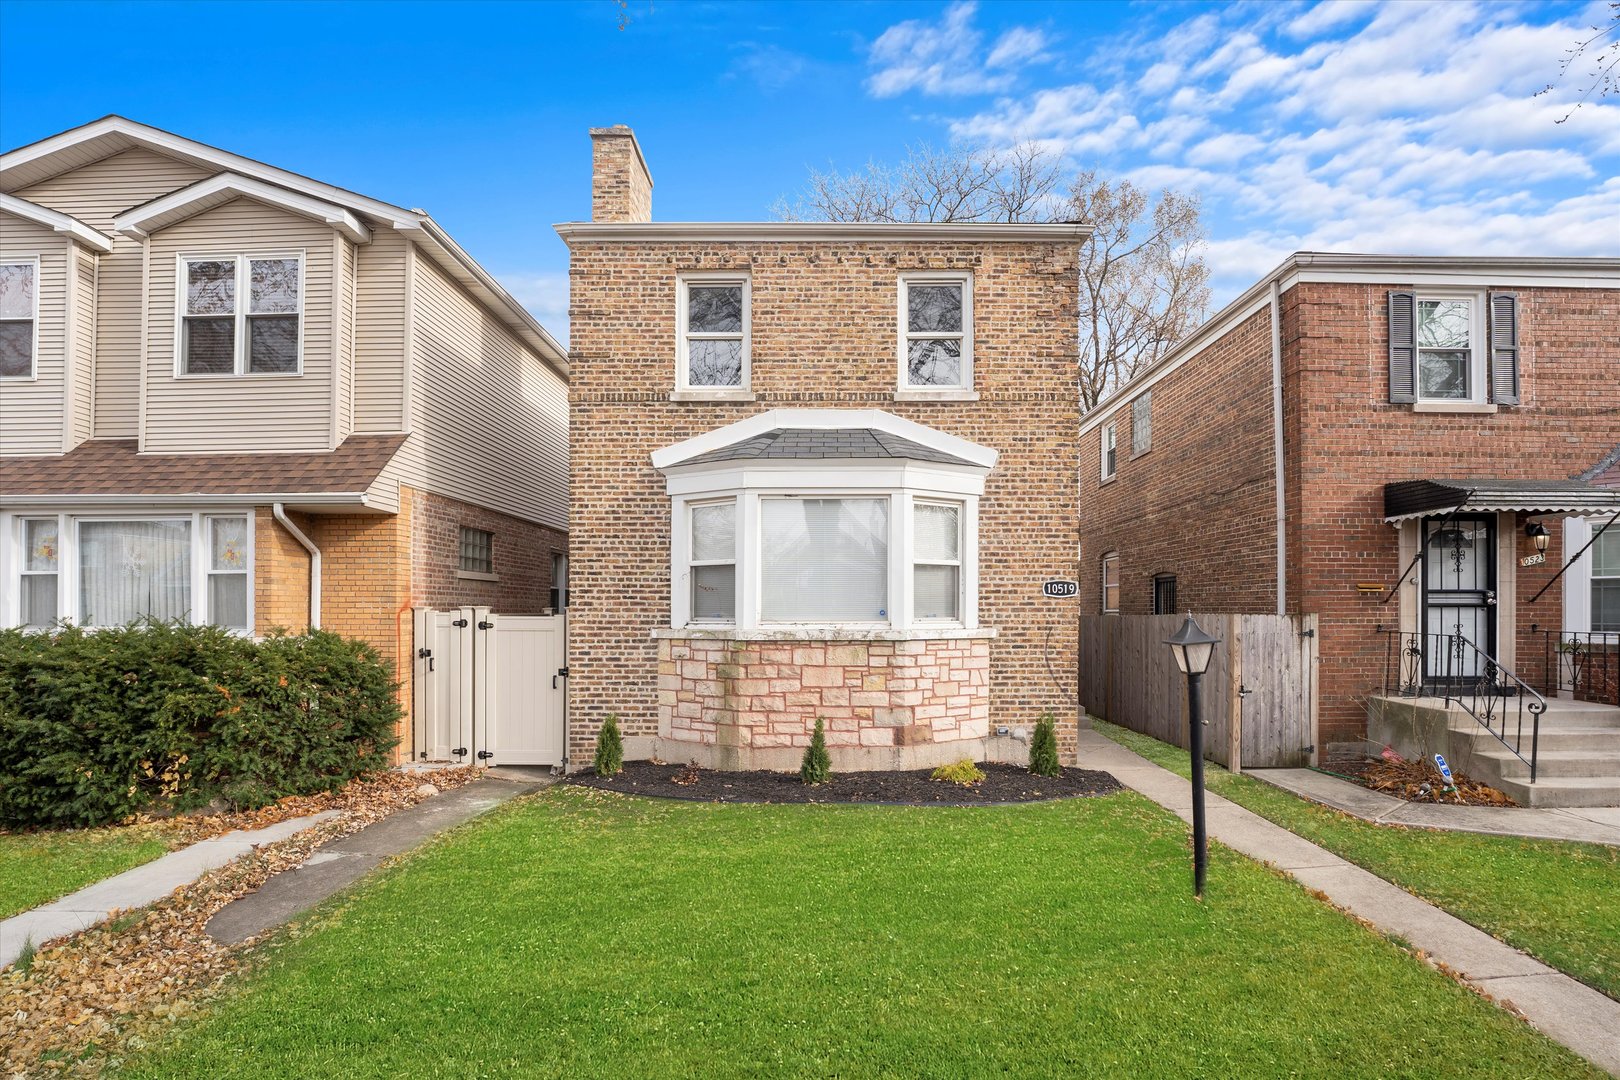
[19, 318]
[241, 315]
[936, 538]
[1110, 584]
[40, 571]
[1449, 330]
[936, 332]
[1110, 455]
[1606, 581]
[713, 331]
[714, 561]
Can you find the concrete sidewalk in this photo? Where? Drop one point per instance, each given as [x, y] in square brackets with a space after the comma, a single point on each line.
[145, 884]
[341, 862]
[1564, 1009]
[1593, 825]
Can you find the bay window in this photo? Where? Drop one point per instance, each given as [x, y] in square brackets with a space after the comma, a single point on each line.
[111, 570]
[240, 315]
[714, 561]
[937, 565]
[824, 560]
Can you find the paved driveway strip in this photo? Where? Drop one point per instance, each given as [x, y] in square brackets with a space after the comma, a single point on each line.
[340, 863]
[1563, 1008]
[145, 884]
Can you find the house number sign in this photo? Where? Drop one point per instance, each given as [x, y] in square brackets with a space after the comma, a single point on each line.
[1058, 590]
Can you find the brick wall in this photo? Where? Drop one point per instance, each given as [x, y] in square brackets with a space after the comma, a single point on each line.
[522, 553]
[823, 336]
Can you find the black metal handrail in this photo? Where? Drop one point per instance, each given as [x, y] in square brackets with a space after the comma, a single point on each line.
[1583, 664]
[1472, 679]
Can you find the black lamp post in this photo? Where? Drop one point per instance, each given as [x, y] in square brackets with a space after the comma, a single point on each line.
[1192, 649]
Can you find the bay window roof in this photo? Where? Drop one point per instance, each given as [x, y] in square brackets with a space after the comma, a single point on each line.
[841, 443]
[818, 436]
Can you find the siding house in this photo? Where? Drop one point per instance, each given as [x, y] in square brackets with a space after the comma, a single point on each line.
[1386, 443]
[235, 395]
[819, 471]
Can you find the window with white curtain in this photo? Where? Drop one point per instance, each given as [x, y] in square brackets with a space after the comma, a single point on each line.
[714, 561]
[131, 570]
[824, 560]
[937, 565]
[240, 315]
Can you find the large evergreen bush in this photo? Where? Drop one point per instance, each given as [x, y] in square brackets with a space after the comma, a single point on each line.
[97, 726]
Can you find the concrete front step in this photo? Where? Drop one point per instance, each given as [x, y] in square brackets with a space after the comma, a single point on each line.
[1553, 763]
[1569, 791]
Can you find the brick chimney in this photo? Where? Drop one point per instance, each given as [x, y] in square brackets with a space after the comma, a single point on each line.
[621, 186]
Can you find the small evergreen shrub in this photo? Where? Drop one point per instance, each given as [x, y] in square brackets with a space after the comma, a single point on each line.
[96, 727]
[1043, 750]
[816, 768]
[963, 772]
[609, 748]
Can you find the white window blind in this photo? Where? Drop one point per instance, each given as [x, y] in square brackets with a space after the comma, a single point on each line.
[937, 580]
[825, 560]
[714, 561]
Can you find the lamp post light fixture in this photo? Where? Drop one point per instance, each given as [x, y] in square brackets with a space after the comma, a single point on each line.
[1193, 649]
[1538, 534]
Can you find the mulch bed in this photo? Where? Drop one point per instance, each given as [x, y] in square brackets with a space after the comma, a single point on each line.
[1420, 781]
[1001, 784]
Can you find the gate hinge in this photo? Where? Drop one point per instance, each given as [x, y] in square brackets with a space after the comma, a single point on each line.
[485, 755]
[486, 625]
[459, 623]
[460, 751]
[1307, 633]
[423, 654]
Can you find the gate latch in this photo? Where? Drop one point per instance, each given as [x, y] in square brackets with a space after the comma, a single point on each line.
[562, 673]
[426, 654]
[1244, 691]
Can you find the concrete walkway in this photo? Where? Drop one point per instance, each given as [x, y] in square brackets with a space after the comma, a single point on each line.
[339, 863]
[136, 888]
[1561, 1007]
[1593, 825]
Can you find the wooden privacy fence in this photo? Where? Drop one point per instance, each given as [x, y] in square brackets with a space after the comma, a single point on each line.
[1259, 695]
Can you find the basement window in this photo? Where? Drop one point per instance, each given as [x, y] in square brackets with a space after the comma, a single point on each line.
[477, 551]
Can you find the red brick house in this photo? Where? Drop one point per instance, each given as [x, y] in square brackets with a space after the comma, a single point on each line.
[232, 394]
[1368, 439]
[819, 470]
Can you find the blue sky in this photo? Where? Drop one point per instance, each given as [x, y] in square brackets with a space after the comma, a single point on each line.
[1334, 125]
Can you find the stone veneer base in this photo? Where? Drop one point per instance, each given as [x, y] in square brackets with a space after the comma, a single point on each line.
[1000, 748]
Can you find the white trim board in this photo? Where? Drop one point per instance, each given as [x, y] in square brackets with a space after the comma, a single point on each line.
[56, 221]
[206, 194]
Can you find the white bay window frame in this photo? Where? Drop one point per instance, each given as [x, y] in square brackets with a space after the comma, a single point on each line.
[242, 315]
[13, 557]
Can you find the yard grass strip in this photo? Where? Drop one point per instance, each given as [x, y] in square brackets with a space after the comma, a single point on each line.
[38, 867]
[1557, 900]
[585, 933]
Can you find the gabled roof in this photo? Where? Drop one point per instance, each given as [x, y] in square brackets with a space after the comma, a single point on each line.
[826, 434]
[216, 190]
[80, 146]
[94, 239]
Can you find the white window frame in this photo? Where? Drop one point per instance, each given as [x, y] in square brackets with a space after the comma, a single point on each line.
[964, 279]
[961, 528]
[1478, 379]
[244, 296]
[1578, 579]
[900, 484]
[688, 515]
[32, 260]
[13, 558]
[1108, 440]
[1110, 561]
[683, 336]
[22, 570]
[1141, 405]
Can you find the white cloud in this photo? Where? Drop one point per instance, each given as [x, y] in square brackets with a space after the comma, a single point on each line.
[1018, 46]
[944, 57]
[1327, 15]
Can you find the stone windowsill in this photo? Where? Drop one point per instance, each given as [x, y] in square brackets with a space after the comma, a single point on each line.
[474, 575]
[828, 633]
[1465, 408]
[711, 395]
[936, 395]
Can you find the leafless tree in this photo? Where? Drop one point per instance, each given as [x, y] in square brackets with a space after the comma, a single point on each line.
[1143, 280]
[1602, 47]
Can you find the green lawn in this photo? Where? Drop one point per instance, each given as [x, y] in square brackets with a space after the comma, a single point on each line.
[1558, 901]
[585, 933]
[38, 867]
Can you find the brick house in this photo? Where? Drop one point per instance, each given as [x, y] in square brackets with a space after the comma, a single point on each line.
[233, 394]
[819, 470]
[1267, 464]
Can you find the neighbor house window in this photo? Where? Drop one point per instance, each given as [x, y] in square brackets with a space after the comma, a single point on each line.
[477, 549]
[1110, 459]
[714, 561]
[1110, 584]
[228, 572]
[19, 318]
[241, 315]
[824, 560]
[39, 571]
[936, 332]
[1164, 594]
[1448, 336]
[713, 330]
[937, 569]
[1142, 423]
[559, 582]
[1606, 581]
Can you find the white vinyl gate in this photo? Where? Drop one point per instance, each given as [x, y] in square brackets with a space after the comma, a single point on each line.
[489, 689]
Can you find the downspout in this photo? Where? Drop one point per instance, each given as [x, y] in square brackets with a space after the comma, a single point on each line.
[314, 563]
[1277, 445]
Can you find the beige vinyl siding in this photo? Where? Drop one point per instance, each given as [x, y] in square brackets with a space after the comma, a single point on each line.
[222, 414]
[81, 390]
[95, 194]
[343, 315]
[31, 416]
[489, 419]
[379, 333]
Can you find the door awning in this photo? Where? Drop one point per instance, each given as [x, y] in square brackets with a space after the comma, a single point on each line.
[1420, 498]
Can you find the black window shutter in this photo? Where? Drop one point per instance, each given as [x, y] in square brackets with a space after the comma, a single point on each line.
[1402, 347]
[1504, 335]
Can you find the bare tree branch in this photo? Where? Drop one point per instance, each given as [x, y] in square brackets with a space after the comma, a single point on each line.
[1603, 46]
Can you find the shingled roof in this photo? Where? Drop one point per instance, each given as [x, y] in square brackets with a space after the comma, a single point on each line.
[842, 444]
[116, 467]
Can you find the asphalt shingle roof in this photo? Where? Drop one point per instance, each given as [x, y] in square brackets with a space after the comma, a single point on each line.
[843, 444]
